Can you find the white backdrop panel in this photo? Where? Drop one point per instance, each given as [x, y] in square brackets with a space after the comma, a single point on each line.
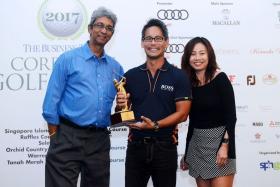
[245, 35]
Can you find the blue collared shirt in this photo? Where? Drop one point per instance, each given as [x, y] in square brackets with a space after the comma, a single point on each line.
[81, 88]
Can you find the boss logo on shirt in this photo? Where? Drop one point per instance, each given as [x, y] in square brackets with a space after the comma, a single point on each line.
[167, 88]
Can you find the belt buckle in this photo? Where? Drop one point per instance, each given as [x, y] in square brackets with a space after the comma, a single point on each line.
[147, 140]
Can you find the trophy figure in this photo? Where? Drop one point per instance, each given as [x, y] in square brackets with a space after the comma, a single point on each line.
[125, 115]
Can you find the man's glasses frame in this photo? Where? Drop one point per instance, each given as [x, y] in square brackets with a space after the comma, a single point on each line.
[101, 26]
[157, 39]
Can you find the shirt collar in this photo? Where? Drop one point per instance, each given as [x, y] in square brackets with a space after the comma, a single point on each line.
[89, 54]
[165, 66]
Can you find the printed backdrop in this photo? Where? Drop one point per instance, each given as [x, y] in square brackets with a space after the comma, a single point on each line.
[244, 34]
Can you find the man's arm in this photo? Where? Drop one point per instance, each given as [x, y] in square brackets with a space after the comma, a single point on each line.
[53, 95]
[181, 114]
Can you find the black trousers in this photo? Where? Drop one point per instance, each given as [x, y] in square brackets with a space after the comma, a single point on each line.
[75, 151]
[151, 158]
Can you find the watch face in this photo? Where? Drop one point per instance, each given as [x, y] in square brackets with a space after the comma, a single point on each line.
[156, 127]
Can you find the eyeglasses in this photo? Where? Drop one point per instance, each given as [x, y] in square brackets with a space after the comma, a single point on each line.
[101, 26]
[157, 39]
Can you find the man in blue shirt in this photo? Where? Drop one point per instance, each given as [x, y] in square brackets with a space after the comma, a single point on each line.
[160, 96]
[77, 108]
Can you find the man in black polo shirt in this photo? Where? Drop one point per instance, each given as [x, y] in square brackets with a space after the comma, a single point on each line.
[160, 96]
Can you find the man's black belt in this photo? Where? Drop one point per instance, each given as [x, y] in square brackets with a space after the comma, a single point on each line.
[76, 126]
[147, 140]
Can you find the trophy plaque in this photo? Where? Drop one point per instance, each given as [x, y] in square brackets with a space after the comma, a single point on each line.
[125, 116]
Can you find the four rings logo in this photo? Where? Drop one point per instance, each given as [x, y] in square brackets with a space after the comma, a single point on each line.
[175, 48]
[172, 14]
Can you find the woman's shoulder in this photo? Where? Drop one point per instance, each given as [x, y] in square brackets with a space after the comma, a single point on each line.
[220, 75]
[221, 79]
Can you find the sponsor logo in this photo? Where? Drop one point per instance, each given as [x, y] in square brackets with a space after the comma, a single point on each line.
[175, 14]
[117, 148]
[226, 19]
[251, 80]
[233, 80]
[116, 160]
[62, 18]
[175, 48]
[274, 124]
[266, 108]
[167, 88]
[227, 51]
[118, 129]
[259, 51]
[242, 108]
[241, 125]
[277, 24]
[258, 124]
[258, 138]
[270, 165]
[269, 79]
[226, 12]
[276, 4]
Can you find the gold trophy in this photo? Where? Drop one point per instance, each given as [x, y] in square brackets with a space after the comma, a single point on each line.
[124, 116]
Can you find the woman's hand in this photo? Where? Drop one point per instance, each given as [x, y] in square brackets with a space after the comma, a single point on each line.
[183, 164]
[222, 155]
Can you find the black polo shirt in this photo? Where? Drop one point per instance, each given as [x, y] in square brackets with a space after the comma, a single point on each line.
[156, 97]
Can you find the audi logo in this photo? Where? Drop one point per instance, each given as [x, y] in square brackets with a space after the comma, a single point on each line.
[175, 48]
[172, 14]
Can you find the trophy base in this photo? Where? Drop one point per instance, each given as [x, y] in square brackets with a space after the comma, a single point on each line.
[122, 118]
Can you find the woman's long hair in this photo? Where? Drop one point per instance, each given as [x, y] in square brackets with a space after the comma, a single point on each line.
[212, 64]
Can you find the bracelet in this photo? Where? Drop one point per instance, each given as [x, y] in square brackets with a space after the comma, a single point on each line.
[225, 140]
[53, 133]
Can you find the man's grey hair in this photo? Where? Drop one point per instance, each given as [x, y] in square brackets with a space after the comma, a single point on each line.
[103, 12]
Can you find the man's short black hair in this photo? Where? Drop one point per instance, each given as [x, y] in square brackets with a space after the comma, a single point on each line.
[157, 23]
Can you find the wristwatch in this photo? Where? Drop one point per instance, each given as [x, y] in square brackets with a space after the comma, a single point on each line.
[156, 126]
[225, 140]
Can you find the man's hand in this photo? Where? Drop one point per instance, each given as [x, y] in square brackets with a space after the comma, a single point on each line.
[52, 129]
[122, 100]
[144, 125]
